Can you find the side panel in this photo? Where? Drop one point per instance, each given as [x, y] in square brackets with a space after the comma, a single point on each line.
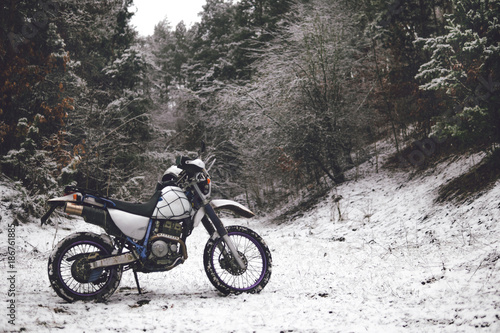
[131, 225]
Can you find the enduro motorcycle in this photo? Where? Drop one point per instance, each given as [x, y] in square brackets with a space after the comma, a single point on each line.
[151, 237]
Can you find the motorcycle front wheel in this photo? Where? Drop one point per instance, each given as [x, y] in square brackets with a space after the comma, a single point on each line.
[226, 275]
[69, 272]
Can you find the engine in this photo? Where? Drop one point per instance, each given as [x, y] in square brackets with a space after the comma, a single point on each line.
[167, 249]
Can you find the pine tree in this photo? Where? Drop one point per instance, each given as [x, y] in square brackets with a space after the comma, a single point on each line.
[37, 147]
[464, 66]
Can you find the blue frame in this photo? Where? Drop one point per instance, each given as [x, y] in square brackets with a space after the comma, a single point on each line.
[143, 249]
[101, 199]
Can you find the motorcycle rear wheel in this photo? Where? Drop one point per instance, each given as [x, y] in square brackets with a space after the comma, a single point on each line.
[225, 274]
[68, 270]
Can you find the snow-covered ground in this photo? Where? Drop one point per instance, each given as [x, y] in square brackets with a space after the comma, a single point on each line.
[395, 262]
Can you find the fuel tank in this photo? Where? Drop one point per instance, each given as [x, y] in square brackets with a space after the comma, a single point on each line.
[172, 205]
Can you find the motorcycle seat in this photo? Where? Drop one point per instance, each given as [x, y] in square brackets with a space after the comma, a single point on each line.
[142, 209]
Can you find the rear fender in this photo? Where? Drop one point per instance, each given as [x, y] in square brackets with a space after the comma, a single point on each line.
[217, 204]
[73, 197]
[59, 202]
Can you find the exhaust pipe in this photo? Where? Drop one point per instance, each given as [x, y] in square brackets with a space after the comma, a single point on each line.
[92, 215]
[96, 216]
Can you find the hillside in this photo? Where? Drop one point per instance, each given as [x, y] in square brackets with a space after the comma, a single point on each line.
[394, 260]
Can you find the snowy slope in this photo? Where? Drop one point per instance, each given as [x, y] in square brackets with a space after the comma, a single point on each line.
[395, 262]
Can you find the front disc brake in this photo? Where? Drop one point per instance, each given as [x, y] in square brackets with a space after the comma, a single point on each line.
[228, 263]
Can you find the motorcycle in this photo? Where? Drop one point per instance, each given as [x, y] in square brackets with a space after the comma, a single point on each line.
[151, 237]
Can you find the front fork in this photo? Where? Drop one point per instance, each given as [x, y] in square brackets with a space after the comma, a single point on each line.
[221, 230]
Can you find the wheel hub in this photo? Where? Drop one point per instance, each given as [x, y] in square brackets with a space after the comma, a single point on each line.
[229, 264]
[80, 269]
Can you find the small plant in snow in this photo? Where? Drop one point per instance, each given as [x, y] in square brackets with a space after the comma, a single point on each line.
[336, 203]
[368, 211]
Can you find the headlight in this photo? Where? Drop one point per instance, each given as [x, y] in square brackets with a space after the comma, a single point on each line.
[204, 182]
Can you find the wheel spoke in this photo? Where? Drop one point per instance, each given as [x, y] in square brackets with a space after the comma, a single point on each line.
[65, 270]
[253, 256]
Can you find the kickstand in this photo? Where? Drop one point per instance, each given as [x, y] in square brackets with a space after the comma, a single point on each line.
[137, 282]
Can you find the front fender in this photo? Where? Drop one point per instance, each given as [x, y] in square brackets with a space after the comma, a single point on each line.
[233, 206]
[216, 204]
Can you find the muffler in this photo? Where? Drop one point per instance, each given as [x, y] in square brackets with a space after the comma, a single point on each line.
[73, 209]
[96, 216]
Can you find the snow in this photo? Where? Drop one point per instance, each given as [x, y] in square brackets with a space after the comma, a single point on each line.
[395, 262]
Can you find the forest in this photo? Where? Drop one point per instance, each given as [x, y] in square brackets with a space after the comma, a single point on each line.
[286, 94]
